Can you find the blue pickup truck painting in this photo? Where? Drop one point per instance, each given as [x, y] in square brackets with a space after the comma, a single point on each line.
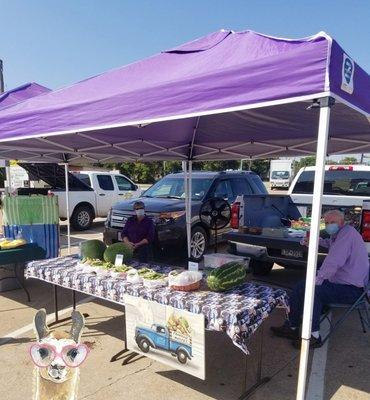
[159, 337]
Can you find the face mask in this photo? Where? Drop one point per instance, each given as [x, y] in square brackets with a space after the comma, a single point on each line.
[332, 229]
[140, 212]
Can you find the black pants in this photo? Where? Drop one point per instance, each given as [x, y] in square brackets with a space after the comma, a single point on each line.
[142, 253]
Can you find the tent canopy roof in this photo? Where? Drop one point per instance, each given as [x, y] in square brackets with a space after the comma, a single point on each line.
[226, 95]
[21, 93]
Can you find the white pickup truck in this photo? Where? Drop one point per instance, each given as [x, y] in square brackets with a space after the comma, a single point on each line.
[91, 193]
[261, 222]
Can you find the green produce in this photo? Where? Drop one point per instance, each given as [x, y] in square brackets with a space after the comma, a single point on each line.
[226, 277]
[122, 268]
[118, 248]
[93, 249]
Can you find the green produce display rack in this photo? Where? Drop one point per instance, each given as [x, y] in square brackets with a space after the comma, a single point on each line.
[14, 259]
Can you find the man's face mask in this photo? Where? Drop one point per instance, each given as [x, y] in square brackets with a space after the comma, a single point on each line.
[140, 212]
[332, 229]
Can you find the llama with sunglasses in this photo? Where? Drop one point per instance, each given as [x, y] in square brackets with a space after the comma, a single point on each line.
[57, 356]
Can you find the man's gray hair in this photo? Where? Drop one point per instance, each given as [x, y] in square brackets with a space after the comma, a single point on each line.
[139, 204]
[334, 213]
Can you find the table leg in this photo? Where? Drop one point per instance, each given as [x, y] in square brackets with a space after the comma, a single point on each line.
[56, 308]
[56, 304]
[73, 299]
[259, 379]
[19, 280]
[127, 357]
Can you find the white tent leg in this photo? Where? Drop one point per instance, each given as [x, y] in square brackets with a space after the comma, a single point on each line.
[186, 167]
[67, 207]
[8, 188]
[322, 141]
[188, 220]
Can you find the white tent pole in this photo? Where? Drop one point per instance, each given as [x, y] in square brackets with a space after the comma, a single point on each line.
[8, 188]
[322, 142]
[188, 220]
[67, 207]
[187, 211]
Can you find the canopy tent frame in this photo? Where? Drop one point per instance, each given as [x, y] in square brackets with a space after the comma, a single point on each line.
[211, 99]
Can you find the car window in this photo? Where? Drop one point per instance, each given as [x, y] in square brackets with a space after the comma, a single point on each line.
[84, 178]
[258, 182]
[105, 182]
[160, 329]
[223, 190]
[280, 175]
[123, 183]
[241, 186]
[337, 182]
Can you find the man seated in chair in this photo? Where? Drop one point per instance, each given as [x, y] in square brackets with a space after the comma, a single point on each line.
[341, 278]
[138, 232]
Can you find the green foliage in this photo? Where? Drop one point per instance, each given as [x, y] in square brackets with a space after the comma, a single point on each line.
[348, 161]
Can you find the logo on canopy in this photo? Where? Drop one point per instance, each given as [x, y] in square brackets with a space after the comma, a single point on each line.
[348, 69]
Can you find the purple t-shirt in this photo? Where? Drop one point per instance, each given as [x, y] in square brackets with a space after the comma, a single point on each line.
[137, 230]
[347, 261]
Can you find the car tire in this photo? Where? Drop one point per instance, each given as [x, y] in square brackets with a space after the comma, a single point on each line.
[261, 268]
[144, 345]
[199, 243]
[182, 357]
[82, 218]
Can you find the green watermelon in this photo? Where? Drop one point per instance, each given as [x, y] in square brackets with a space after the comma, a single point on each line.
[227, 276]
[93, 249]
[118, 248]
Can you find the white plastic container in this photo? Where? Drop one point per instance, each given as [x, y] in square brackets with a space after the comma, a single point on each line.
[218, 259]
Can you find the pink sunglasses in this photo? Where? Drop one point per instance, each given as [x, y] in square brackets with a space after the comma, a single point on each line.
[44, 354]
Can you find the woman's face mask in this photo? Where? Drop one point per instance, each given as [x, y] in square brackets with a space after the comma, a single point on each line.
[140, 212]
[332, 229]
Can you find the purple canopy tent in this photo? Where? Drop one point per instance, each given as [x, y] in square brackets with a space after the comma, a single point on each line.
[21, 93]
[228, 95]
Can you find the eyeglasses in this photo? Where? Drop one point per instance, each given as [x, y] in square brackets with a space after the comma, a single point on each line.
[44, 354]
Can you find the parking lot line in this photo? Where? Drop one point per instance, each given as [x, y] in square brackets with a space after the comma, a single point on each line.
[316, 383]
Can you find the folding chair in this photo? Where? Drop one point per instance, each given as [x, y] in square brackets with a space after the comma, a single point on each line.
[361, 305]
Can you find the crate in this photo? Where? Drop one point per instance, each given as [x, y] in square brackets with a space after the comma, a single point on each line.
[218, 259]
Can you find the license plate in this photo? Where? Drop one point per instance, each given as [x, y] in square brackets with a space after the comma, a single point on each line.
[292, 253]
[119, 236]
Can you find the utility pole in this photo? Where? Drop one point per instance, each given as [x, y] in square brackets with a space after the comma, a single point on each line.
[1, 77]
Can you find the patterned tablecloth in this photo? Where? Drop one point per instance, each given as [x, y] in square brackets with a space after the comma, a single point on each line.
[238, 312]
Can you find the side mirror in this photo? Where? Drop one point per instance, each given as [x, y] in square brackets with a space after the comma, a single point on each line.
[135, 187]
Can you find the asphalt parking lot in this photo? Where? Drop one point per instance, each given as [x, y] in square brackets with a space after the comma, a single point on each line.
[339, 370]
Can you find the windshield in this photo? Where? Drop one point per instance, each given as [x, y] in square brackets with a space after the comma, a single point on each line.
[280, 175]
[174, 188]
[339, 182]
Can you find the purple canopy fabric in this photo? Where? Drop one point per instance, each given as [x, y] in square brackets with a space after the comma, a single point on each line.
[226, 95]
[21, 93]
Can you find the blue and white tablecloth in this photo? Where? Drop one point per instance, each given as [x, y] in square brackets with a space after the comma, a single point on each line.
[238, 312]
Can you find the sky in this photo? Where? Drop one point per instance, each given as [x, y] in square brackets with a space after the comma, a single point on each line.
[57, 43]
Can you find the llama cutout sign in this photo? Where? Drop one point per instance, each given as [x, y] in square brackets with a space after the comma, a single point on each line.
[57, 357]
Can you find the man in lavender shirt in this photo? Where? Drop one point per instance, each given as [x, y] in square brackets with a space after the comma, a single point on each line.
[341, 278]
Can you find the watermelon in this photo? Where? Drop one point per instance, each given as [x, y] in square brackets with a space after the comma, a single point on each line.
[227, 276]
[118, 248]
[93, 249]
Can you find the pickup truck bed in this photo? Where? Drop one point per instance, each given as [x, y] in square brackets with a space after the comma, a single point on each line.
[272, 254]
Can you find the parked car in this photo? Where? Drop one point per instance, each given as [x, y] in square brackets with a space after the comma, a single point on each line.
[158, 337]
[91, 193]
[281, 174]
[164, 202]
[346, 188]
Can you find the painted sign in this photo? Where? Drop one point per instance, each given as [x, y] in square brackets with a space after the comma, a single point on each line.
[348, 70]
[171, 336]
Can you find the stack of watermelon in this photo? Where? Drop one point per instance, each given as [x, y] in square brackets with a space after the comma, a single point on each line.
[227, 276]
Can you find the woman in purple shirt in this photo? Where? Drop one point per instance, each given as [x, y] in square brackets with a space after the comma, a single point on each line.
[138, 232]
[341, 278]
